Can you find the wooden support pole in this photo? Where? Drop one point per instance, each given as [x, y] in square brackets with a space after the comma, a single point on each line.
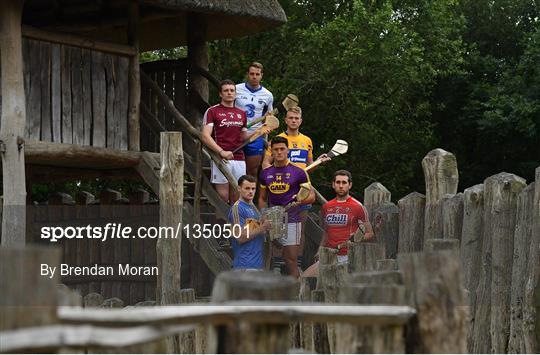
[411, 222]
[491, 321]
[134, 121]
[386, 220]
[531, 304]
[244, 336]
[364, 256]
[13, 123]
[441, 174]
[522, 240]
[198, 89]
[78, 41]
[171, 195]
[433, 284]
[374, 196]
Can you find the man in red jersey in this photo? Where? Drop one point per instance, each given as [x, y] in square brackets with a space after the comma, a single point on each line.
[341, 217]
[224, 129]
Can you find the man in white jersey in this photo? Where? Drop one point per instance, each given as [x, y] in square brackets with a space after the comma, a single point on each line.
[255, 100]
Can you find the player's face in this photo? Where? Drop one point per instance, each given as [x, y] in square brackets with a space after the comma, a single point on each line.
[341, 185]
[228, 93]
[279, 152]
[293, 120]
[255, 76]
[247, 190]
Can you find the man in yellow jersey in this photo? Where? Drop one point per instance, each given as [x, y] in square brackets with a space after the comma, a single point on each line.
[300, 145]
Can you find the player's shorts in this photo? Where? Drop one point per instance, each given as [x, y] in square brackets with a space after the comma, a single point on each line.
[255, 148]
[294, 234]
[342, 259]
[236, 167]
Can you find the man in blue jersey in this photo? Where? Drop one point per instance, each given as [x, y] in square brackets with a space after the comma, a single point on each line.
[255, 100]
[248, 248]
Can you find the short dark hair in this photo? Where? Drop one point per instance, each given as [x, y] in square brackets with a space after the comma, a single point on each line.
[279, 139]
[256, 65]
[343, 173]
[248, 178]
[222, 83]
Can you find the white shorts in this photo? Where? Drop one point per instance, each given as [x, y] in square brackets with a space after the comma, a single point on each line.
[342, 259]
[236, 167]
[294, 234]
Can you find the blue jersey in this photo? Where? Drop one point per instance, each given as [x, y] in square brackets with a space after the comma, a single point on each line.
[248, 255]
[255, 102]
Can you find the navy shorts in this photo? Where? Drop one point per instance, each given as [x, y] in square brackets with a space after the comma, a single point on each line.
[255, 148]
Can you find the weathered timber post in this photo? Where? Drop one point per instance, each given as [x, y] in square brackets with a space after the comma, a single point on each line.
[321, 344]
[188, 340]
[134, 21]
[244, 336]
[531, 304]
[372, 288]
[171, 195]
[386, 265]
[522, 239]
[493, 292]
[13, 122]
[198, 87]
[386, 223]
[433, 286]
[364, 256]
[452, 216]
[374, 196]
[411, 222]
[442, 244]
[441, 174]
[27, 299]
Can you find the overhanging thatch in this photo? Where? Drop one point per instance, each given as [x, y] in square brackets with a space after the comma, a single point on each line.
[164, 22]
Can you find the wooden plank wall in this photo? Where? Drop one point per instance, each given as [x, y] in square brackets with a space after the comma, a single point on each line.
[172, 77]
[75, 95]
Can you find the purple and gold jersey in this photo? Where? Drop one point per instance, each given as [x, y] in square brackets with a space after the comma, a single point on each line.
[282, 184]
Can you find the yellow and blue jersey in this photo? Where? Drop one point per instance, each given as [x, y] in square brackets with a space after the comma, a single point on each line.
[300, 149]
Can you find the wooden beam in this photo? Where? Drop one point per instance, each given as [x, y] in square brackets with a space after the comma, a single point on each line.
[78, 41]
[134, 122]
[13, 122]
[72, 155]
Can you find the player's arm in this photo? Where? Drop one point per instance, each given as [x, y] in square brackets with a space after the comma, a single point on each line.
[324, 237]
[207, 139]
[249, 232]
[263, 195]
[368, 234]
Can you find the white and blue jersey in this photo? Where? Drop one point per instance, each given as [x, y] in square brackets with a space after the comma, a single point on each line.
[256, 102]
[248, 255]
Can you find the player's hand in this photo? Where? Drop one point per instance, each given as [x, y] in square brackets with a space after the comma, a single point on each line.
[226, 154]
[324, 158]
[266, 225]
[265, 129]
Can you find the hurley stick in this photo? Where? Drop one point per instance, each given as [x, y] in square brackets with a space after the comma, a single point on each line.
[271, 123]
[289, 101]
[339, 148]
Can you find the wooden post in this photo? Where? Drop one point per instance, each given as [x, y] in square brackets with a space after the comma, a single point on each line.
[433, 284]
[452, 216]
[27, 299]
[531, 304]
[522, 240]
[374, 196]
[386, 265]
[386, 222]
[171, 195]
[188, 340]
[134, 77]
[364, 256]
[198, 88]
[372, 288]
[493, 292]
[12, 124]
[320, 331]
[243, 336]
[441, 174]
[442, 244]
[411, 222]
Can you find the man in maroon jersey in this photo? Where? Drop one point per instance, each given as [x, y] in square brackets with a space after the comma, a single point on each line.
[224, 129]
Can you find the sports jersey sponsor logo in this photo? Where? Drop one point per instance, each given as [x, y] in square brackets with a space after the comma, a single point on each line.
[295, 153]
[336, 219]
[227, 123]
[278, 187]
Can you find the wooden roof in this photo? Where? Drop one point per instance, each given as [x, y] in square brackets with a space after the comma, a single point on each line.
[163, 21]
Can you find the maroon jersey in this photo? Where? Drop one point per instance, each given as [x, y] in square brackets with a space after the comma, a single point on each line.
[228, 124]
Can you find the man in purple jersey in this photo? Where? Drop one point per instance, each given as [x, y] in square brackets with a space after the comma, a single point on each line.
[279, 184]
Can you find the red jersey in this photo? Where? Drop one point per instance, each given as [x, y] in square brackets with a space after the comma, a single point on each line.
[228, 124]
[341, 220]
